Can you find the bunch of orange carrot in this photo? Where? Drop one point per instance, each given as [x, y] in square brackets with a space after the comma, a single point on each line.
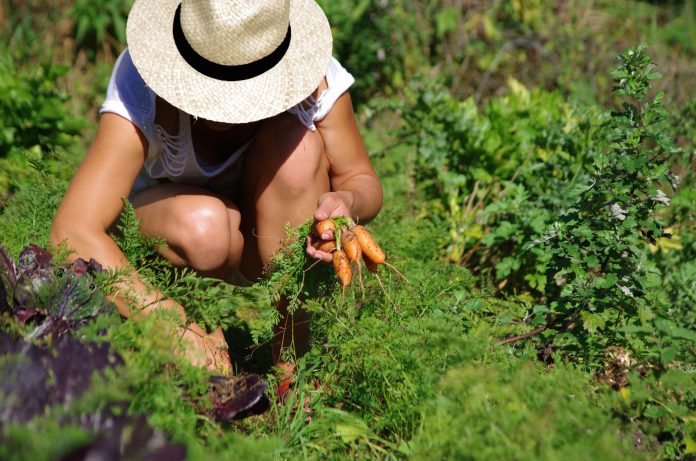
[352, 244]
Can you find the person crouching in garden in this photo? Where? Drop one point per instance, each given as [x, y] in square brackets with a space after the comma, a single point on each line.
[223, 121]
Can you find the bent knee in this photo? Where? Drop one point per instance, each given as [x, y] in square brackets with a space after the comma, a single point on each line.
[206, 234]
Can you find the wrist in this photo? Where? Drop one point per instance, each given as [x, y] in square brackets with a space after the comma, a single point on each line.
[348, 198]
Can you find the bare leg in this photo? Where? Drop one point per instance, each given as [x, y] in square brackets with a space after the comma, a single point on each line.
[201, 229]
[286, 171]
[202, 232]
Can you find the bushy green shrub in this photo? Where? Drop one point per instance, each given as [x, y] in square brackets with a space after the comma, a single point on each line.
[33, 107]
[27, 216]
[525, 144]
[386, 44]
[566, 225]
[35, 120]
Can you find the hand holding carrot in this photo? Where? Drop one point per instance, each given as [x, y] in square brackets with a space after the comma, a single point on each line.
[330, 205]
[349, 244]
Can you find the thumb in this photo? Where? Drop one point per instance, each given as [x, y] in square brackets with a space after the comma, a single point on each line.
[320, 215]
[325, 207]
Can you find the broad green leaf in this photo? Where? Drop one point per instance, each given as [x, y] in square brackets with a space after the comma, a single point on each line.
[593, 322]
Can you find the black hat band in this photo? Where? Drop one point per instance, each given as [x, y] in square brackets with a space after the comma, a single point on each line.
[231, 73]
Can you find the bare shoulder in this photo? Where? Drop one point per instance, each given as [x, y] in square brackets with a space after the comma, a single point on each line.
[117, 132]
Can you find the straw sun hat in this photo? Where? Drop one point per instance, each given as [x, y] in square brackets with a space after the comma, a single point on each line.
[232, 61]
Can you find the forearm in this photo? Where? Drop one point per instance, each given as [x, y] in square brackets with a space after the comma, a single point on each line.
[363, 195]
[130, 294]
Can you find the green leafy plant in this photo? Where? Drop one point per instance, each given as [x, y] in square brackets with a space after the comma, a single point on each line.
[480, 166]
[27, 216]
[596, 247]
[100, 24]
[35, 120]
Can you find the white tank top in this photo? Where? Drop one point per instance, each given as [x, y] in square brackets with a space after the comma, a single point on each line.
[172, 156]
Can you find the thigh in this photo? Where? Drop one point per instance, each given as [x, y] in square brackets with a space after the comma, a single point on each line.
[201, 229]
[285, 173]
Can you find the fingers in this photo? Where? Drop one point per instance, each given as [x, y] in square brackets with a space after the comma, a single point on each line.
[321, 214]
[207, 350]
[329, 205]
[193, 348]
[218, 352]
[314, 252]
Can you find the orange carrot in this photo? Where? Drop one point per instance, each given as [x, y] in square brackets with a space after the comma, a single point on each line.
[370, 264]
[369, 247]
[342, 267]
[351, 246]
[324, 226]
[327, 246]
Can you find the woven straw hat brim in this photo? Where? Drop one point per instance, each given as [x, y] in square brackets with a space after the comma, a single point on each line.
[296, 76]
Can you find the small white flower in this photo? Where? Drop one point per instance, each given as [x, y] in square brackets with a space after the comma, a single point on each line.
[381, 55]
[660, 197]
[618, 213]
[625, 290]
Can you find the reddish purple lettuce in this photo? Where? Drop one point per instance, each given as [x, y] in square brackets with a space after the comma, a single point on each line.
[55, 298]
[232, 396]
[25, 369]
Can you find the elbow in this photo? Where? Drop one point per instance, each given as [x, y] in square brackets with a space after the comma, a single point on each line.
[379, 200]
[375, 202]
[67, 238]
[59, 235]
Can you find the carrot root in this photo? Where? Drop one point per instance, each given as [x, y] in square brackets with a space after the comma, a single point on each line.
[327, 246]
[391, 266]
[351, 245]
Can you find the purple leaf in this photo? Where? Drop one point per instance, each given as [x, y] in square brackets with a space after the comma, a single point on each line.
[93, 266]
[74, 363]
[124, 437]
[24, 315]
[35, 272]
[29, 286]
[34, 258]
[23, 384]
[79, 267]
[232, 395]
[25, 368]
[5, 296]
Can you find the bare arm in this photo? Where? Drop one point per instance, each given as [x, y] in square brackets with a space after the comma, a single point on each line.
[353, 179]
[93, 202]
[355, 187]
